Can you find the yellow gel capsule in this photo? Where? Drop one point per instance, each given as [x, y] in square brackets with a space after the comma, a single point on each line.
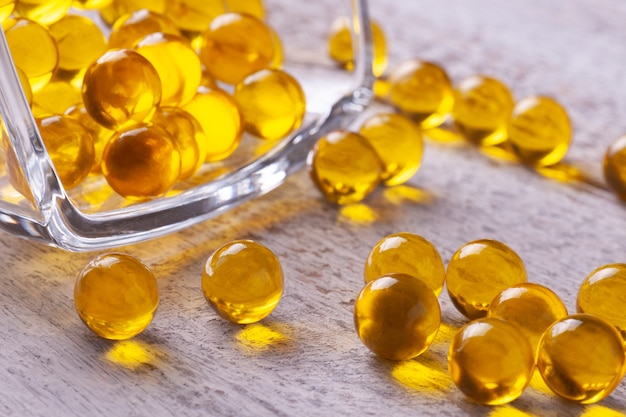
[141, 162]
[397, 316]
[482, 107]
[33, 50]
[176, 63]
[539, 131]
[116, 296]
[615, 166]
[70, 147]
[129, 6]
[193, 15]
[491, 361]
[340, 45]
[236, 45]
[79, 40]
[398, 142]
[121, 86]
[408, 254]
[99, 133]
[44, 12]
[603, 294]
[581, 358]
[92, 4]
[344, 167]
[422, 90]
[188, 136]
[272, 103]
[478, 271]
[134, 26]
[251, 7]
[55, 98]
[28, 92]
[220, 119]
[6, 8]
[277, 61]
[531, 307]
[243, 281]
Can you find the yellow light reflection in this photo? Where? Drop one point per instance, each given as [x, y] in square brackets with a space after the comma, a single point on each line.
[423, 374]
[407, 194]
[508, 411]
[601, 411]
[443, 135]
[381, 88]
[564, 173]
[258, 337]
[132, 354]
[358, 213]
[502, 151]
[537, 383]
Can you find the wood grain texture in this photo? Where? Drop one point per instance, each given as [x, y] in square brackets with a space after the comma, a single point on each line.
[305, 359]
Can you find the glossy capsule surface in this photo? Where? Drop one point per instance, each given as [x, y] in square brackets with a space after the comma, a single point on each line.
[56, 97]
[176, 63]
[398, 142]
[615, 166]
[193, 15]
[408, 254]
[490, 361]
[603, 294]
[272, 103]
[531, 307]
[44, 12]
[482, 107]
[136, 25]
[79, 40]
[478, 271]
[397, 316]
[539, 131]
[581, 358]
[187, 135]
[70, 147]
[422, 90]
[121, 87]
[116, 296]
[220, 118]
[243, 281]
[33, 50]
[251, 7]
[141, 161]
[6, 8]
[340, 45]
[236, 45]
[99, 133]
[344, 167]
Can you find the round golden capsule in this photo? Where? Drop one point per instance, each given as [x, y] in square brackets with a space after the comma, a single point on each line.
[539, 131]
[131, 27]
[344, 167]
[615, 166]
[408, 254]
[478, 271]
[44, 12]
[581, 358]
[243, 281]
[397, 316]
[116, 296]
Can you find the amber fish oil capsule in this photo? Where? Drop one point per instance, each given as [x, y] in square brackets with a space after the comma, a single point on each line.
[243, 281]
[531, 307]
[344, 167]
[272, 103]
[44, 12]
[478, 271]
[397, 316]
[136, 25]
[539, 131]
[79, 40]
[120, 87]
[490, 361]
[615, 166]
[116, 296]
[482, 107]
[581, 358]
[408, 254]
[603, 294]
[398, 142]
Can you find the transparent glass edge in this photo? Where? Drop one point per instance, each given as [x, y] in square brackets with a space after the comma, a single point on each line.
[65, 226]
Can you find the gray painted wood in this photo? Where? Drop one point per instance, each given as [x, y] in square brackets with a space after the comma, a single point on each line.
[306, 359]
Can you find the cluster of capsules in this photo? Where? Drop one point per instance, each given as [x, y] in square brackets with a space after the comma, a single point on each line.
[175, 85]
[536, 129]
[116, 295]
[515, 326]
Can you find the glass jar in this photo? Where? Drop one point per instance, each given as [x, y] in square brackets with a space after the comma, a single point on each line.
[92, 217]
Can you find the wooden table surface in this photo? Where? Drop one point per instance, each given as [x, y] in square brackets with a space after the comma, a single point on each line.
[306, 359]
